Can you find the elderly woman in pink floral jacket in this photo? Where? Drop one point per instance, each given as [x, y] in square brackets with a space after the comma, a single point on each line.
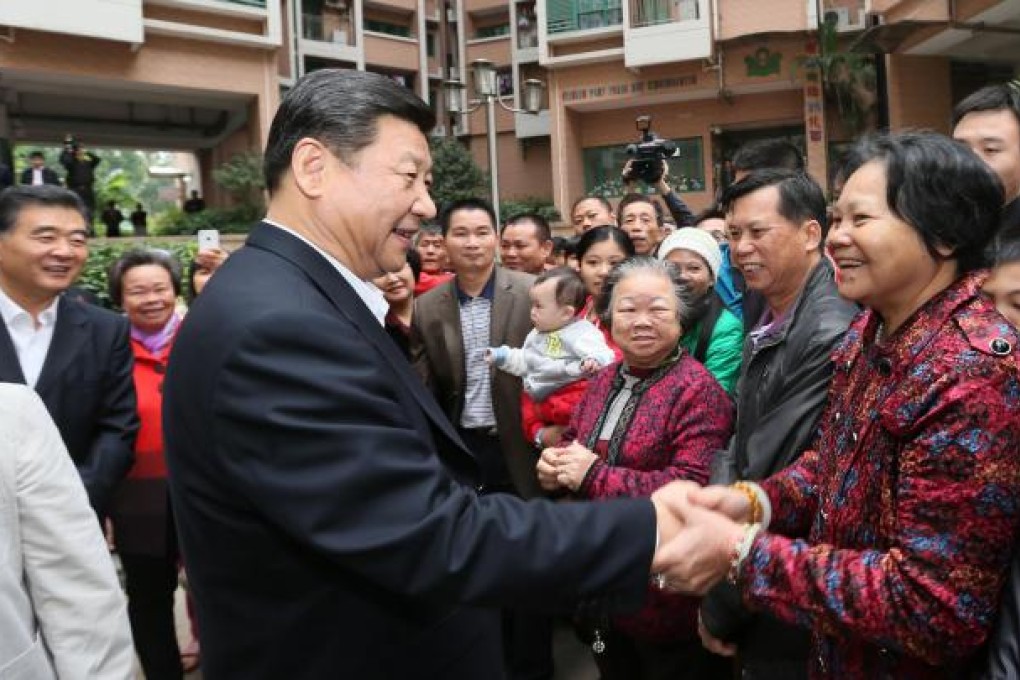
[889, 539]
[655, 417]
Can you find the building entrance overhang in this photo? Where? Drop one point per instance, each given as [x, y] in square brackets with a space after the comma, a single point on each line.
[43, 106]
[993, 36]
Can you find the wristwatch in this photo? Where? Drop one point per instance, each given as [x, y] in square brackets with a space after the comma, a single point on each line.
[538, 438]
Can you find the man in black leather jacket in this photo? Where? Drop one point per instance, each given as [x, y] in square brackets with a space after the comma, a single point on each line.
[776, 226]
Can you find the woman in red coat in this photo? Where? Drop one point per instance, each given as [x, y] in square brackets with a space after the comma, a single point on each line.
[890, 537]
[654, 417]
[145, 284]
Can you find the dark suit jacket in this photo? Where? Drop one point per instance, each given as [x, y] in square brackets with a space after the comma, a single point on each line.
[324, 502]
[49, 176]
[87, 386]
[438, 355]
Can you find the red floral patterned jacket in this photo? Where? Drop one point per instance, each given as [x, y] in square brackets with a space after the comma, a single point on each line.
[909, 499]
[679, 423]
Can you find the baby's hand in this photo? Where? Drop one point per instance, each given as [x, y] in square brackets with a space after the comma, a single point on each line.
[590, 366]
[490, 358]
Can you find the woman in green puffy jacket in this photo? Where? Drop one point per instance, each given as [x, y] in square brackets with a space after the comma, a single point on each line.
[717, 339]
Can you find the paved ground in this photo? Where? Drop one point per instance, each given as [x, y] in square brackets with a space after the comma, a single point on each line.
[573, 659]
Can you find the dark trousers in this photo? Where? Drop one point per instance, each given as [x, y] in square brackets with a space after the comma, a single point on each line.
[151, 582]
[528, 645]
[527, 635]
[627, 658]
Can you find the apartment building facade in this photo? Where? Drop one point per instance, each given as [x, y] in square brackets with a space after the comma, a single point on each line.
[207, 75]
[715, 74]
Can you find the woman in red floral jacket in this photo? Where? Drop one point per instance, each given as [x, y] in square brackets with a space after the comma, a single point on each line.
[657, 416]
[889, 539]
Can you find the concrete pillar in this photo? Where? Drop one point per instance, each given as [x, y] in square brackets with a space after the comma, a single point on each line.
[919, 92]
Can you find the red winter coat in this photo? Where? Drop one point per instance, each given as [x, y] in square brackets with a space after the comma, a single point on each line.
[140, 504]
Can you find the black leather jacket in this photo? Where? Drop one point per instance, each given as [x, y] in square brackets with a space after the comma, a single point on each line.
[1003, 661]
[780, 396]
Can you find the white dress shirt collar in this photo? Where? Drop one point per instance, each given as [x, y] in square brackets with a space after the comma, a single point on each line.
[31, 341]
[369, 294]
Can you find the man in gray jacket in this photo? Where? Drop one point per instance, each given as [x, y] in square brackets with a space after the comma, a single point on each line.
[776, 225]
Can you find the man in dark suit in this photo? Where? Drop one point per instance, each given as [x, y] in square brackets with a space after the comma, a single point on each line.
[484, 306]
[37, 173]
[325, 504]
[76, 356]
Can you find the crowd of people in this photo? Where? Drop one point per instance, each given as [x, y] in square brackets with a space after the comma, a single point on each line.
[776, 439]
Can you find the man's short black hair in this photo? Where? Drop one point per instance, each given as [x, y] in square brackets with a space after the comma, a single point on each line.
[570, 289]
[340, 108]
[15, 199]
[938, 186]
[1003, 97]
[542, 230]
[601, 199]
[768, 153]
[36, 154]
[631, 199]
[466, 204]
[431, 228]
[1008, 251]
[800, 197]
[137, 258]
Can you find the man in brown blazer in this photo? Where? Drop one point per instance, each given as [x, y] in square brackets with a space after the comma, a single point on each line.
[483, 306]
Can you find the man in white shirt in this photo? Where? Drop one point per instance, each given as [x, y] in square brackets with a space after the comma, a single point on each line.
[76, 356]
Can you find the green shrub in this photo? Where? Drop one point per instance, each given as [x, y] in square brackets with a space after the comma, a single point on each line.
[530, 204]
[236, 220]
[93, 274]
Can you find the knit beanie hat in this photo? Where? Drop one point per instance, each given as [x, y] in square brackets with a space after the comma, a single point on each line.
[696, 241]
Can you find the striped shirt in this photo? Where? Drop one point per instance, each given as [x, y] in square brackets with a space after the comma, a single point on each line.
[475, 318]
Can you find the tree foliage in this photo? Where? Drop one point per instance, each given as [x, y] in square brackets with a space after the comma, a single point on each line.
[242, 178]
[455, 175]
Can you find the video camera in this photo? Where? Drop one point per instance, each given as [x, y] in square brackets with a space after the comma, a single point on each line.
[649, 153]
[70, 142]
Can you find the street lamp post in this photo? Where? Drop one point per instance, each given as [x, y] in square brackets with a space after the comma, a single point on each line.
[487, 93]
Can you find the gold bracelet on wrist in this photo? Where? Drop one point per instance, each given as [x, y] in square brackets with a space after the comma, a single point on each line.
[757, 512]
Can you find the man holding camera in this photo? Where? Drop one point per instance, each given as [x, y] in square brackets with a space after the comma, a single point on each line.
[81, 173]
[682, 215]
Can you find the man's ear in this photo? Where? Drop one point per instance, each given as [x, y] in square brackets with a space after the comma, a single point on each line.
[813, 232]
[308, 166]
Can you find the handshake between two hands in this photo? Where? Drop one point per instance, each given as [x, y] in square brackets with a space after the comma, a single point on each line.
[701, 531]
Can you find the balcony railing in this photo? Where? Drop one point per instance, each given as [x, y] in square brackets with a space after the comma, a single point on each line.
[581, 15]
[653, 12]
[327, 28]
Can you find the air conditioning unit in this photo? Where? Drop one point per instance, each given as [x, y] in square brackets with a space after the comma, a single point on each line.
[841, 17]
[335, 4]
